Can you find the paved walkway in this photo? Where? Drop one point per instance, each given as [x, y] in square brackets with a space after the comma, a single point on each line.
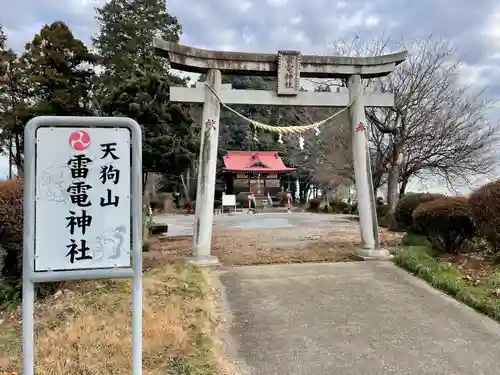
[364, 318]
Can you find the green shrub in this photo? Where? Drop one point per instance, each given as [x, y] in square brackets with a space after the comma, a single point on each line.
[338, 206]
[445, 222]
[403, 214]
[10, 292]
[11, 219]
[382, 210]
[484, 206]
[413, 239]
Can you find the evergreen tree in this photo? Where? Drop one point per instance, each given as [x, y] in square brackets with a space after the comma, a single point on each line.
[170, 141]
[127, 29]
[52, 77]
[135, 82]
[14, 110]
[60, 71]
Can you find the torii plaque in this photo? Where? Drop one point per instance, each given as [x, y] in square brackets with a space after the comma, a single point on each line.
[289, 67]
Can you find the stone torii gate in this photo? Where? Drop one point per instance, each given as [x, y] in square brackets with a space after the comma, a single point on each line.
[288, 67]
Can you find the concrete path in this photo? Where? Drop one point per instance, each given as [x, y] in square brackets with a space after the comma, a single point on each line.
[364, 318]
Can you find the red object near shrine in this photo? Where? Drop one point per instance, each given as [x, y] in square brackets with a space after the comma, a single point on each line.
[258, 172]
[289, 200]
[255, 161]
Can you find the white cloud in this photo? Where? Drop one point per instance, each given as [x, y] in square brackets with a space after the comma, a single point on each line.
[83, 6]
[474, 75]
[247, 35]
[243, 6]
[277, 2]
[296, 20]
[372, 21]
[350, 21]
[341, 4]
[492, 26]
[491, 31]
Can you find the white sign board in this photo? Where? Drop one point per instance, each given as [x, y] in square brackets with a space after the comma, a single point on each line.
[229, 200]
[83, 198]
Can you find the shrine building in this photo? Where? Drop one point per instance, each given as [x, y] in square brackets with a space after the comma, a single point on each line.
[258, 172]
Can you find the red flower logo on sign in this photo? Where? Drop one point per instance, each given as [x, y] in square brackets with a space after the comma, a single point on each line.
[79, 140]
[361, 127]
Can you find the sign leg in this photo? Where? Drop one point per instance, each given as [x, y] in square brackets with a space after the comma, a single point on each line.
[28, 327]
[137, 323]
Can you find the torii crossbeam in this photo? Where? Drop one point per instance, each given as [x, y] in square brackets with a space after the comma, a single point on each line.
[288, 67]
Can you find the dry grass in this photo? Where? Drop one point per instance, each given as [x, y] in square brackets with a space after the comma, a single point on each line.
[86, 330]
[269, 246]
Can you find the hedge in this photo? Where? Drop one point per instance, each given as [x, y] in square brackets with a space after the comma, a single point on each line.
[445, 222]
[484, 205]
[11, 218]
[403, 214]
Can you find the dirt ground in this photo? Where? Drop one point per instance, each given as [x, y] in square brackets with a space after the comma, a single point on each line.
[269, 238]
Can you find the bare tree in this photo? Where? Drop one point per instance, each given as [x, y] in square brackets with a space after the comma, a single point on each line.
[326, 153]
[330, 150]
[334, 165]
[436, 126]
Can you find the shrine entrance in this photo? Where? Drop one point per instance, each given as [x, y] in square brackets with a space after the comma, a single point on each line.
[288, 67]
[257, 172]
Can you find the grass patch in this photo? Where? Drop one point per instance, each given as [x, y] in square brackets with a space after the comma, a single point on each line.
[418, 258]
[87, 328]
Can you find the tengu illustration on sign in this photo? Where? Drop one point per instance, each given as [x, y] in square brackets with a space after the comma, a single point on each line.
[79, 140]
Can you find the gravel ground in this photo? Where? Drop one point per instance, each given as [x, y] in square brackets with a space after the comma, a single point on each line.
[243, 239]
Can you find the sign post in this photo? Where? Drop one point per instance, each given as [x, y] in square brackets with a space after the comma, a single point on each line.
[229, 200]
[82, 211]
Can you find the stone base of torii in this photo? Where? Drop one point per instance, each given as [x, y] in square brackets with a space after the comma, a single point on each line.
[288, 67]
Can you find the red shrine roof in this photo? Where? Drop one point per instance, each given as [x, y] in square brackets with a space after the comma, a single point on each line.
[254, 161]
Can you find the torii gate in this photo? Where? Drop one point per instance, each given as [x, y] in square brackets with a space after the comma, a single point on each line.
[288, 67]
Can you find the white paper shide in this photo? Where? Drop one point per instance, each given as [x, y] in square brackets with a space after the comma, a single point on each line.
[83, 189]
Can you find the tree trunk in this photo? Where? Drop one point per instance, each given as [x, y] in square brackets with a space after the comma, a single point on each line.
[377, 180]
[402, 188]
[188, 183]
[145, 208]
[392, 186]
[184, 186]
[392, 195]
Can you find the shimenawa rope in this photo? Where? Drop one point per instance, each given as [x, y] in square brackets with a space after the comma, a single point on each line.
[283, 129]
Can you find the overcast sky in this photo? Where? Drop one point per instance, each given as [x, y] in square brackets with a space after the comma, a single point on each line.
[305, 25]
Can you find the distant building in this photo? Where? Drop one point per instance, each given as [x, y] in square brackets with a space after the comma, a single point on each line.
[258, 172]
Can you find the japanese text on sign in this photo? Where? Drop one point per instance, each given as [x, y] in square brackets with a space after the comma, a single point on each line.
[92, 189]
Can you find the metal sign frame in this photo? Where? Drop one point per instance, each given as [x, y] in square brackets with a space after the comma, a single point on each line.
[30, 277]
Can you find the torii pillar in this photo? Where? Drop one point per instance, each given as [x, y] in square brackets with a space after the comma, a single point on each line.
[288, 67]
